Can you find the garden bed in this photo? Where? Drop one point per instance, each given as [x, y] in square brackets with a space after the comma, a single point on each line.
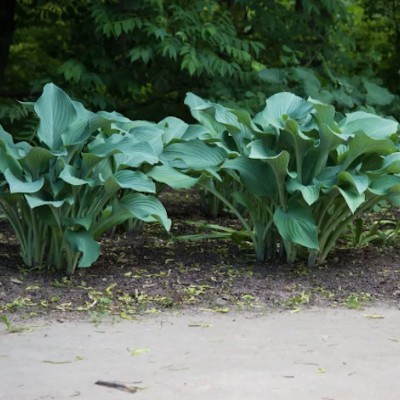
[153, 272]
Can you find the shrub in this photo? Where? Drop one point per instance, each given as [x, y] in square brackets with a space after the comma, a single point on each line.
[303, 172]
[62, 193]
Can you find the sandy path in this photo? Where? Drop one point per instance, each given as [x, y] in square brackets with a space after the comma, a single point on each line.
[313, 354]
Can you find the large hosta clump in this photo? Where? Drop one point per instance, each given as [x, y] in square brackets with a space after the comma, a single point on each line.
[302, 172]
[82, 175]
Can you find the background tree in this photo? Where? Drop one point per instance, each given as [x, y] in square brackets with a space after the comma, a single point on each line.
[139, 57]
[142, 57]
[376, 33]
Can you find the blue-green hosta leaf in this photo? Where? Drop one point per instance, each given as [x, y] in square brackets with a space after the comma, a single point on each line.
[359, 182]
[329, 138]
[70, 175]
[394, 190]
[36, 161]
[382, 185]
[106, 121]
[244, 132]
[137, 155]
[325, 113]
[194, 155]
[172, 177]
[174, 129]
[353, 198]
[214, 116]
[195, 102]
[56, 112]
[82, 241]
[151, 135]
[328, 177]
[145, 208]
[259, 150]
[85, 114]
[23, 149]
[233, 147]
[38, 201]
[285, 105]
[394, 199]
[301, 144]
[118, 143]
[6, 138]
[126, 149]
[117, 117]
[15, 150]
[390, 164]
[211, 173]
[76, 133]
[84, 222]
[80, 129]
[90, 162]
[310, 193]
[257, 177]
[9, 162]
[297, 226]
[298, 136]
[134, 180]
[113, 144]
[246, 121]
[362, 144]
[329, 142]
[278, 162]
[341, 151]
[17, 185]
[196, 132]
[245, 199]
[377, 95]
[372, 125]
[110, 185]
[203, 111]
[308, 79]
[224, 116]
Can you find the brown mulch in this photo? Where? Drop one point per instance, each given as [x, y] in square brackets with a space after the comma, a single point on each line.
[151, 272]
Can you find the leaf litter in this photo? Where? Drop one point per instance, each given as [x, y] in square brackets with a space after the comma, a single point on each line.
[160, 274]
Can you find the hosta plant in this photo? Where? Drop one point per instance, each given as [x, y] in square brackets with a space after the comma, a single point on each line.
[159, 136]
[303, 172]
[63, 193]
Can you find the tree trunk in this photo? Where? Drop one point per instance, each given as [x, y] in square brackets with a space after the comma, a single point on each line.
[7, 12]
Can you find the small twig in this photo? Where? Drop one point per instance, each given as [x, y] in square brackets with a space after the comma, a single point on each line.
[120, 386]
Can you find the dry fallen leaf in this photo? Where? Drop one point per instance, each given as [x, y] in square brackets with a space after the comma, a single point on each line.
[374, 316]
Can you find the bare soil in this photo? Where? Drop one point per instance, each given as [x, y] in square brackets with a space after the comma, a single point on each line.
[152, 272]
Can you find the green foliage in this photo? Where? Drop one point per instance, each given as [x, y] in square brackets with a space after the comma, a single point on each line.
[18, 118]
[141, 57]
[11, 328]
[298, 31]
[375, 29]
[345, 93]
[61, 194]
[357, 301]
[304, 173]
[380, 227]
[123, 47]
